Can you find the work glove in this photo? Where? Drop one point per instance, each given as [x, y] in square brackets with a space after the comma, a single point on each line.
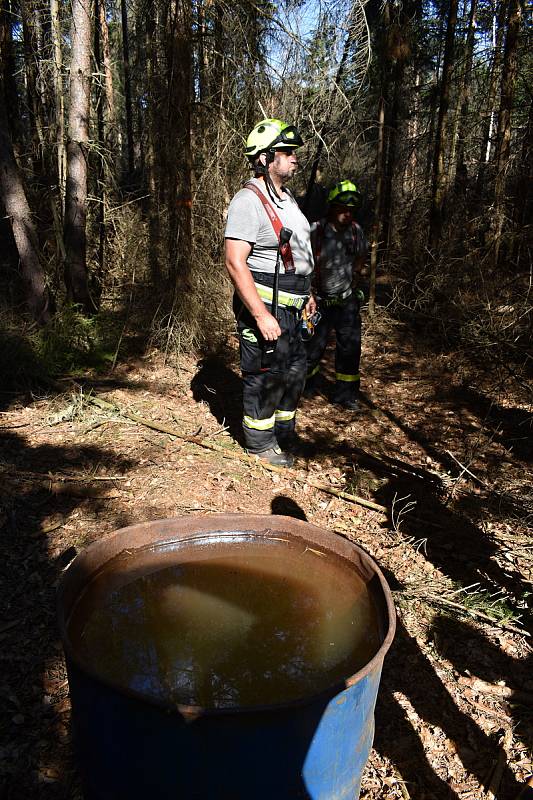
[360, 295]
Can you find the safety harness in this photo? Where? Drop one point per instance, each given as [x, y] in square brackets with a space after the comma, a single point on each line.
[285, 249]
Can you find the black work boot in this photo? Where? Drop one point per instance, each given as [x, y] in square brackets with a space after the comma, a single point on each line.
[295, 445]
[346, 399]
[276, 457]
[349, 403]
[310, 388]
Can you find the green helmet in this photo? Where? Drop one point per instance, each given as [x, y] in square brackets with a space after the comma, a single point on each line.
[345, 193]
[271, 132]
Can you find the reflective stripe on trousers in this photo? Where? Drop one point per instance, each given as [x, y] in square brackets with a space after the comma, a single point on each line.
[270, 398]
[345, 320]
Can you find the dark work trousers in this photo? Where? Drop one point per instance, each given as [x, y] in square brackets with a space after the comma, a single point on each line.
[344, 318]
[270, 397]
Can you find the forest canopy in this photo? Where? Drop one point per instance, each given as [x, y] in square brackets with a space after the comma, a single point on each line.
[121, 143]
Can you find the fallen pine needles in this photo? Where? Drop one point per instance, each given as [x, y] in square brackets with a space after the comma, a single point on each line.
[226, 453]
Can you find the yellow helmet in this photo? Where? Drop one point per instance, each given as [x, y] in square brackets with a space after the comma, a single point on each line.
[345, 193]
[270, 133]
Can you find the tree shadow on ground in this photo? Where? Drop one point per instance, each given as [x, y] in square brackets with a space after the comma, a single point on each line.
[411, 684]
[474, 655]
[409, 681]
[510, 427]
[35, 757]
[454, 539]
[218, 384]
[461, 548]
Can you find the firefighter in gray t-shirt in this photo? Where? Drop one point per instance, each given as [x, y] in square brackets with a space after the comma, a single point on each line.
[271, 388]
[340, 248]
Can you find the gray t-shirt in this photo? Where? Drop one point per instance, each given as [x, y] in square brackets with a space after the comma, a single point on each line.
[248, 221]
[338, 252]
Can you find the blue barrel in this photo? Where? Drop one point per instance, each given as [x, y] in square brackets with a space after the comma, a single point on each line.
[132, 748]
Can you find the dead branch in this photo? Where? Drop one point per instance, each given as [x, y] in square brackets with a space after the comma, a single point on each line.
[498, 690]
[465, 469]
[50, 476]
[226, 453]
[497, 775]
[440, 600]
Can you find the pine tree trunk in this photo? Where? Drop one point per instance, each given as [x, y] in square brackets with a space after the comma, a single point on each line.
[503, 152]
[153, 152]
[391, 127]
[31, 49]
[218, 60]
[439, 172]
[109, 104]
[59, 104]
[376, 227]
[18, 211]
[523, 200]
[490, 105]
[127, 88]
[326, 123]
[9, 68]
[179, 155]
[433, 106]
[457, 155]
[76, 277]
[413, 128]
[101, 141]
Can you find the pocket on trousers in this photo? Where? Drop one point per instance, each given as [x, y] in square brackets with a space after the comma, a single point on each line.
[251, 350]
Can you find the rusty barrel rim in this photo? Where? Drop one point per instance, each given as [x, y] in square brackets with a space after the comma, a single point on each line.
[188, 528]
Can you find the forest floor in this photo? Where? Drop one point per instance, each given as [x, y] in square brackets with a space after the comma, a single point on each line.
[445, 448]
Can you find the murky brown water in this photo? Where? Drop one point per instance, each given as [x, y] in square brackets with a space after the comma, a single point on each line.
[236, 623]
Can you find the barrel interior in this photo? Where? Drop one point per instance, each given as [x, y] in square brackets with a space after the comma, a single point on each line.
[225, 613]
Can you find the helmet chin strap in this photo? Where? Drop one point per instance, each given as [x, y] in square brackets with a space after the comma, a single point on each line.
[262, 169]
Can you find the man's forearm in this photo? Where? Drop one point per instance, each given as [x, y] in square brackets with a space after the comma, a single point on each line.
[242, 279]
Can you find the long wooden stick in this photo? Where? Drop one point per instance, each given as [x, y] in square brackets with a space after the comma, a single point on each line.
[51, 476]
[501, 763]
[249, 459]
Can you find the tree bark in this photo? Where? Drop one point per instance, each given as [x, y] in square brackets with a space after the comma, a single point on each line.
[439, 173]
[376, 227]
[179, 153]
[433, 106]
[109, 104]
[486, 139]
[59, 104]
[413, 128]
[503, 153]
[457, 155]
[76, 276]
[391, 128]
[99, 7]
[9, 69]
[127, 89]
[38, 125]
[17, 209]
[218, 72]
[153, 152]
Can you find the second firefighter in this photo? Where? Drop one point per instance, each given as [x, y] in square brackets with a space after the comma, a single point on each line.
[340, 249]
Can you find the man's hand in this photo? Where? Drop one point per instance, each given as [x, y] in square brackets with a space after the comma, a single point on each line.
[268, 326]
[310, 307]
